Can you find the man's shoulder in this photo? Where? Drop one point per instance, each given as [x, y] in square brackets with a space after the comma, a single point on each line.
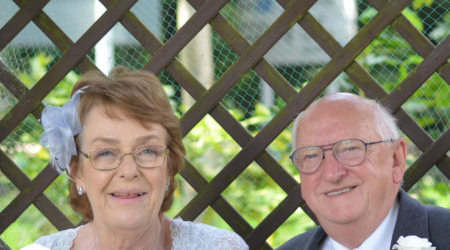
[438, 218]
[424, 221]
[438, 212]
[308, 240]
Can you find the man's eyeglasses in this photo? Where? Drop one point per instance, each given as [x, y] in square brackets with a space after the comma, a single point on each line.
[350, 152]
[110, 158]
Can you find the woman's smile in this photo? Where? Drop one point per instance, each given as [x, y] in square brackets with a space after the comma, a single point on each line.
[127, 196]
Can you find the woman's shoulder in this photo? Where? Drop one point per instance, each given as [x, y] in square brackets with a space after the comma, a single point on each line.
[62, 240]
[198, 236]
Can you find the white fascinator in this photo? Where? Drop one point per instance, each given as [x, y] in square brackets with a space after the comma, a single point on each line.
[61, 124]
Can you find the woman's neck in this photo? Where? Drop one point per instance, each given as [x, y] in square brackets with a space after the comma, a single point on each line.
[151, 235]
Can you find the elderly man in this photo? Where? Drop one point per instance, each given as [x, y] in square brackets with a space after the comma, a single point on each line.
[351, 162]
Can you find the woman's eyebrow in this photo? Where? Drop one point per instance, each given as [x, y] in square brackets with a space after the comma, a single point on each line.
[146, 138]
[107, 140]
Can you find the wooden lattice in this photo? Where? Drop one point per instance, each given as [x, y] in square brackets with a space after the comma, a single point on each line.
[208, 100]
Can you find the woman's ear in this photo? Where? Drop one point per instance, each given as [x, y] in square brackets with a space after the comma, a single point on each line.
[399, 160]
[75, 175]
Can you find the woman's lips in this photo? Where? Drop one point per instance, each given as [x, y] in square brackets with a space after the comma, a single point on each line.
[127, 197]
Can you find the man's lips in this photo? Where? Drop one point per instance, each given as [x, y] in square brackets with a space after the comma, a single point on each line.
[339, 191]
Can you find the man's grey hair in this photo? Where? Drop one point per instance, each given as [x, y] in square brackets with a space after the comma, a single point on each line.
[385, 123]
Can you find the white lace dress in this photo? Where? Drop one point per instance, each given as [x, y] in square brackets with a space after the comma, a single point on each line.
[186, 235]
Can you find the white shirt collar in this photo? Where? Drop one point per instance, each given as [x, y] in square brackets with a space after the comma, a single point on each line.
[379, 239]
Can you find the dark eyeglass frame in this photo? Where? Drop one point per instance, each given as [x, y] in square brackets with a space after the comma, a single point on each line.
[122, 154]
[334, 153]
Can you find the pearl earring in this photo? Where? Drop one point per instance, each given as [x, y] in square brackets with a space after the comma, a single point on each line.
[167, 187]
[80, 191]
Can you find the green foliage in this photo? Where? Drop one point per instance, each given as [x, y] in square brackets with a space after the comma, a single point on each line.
[24, 148]
[254, 194]
[417, 4]
[389, 59]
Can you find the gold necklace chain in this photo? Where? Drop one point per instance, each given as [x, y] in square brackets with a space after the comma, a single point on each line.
[154, 244]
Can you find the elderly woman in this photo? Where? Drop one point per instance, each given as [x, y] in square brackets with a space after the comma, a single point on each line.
[121, 144]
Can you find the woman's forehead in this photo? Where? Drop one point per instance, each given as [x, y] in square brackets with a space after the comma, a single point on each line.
[121, 128]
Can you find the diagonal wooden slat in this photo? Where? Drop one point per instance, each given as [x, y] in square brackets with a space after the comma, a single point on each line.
[234, 128]
[339, 63]
[418, 76]
[237, 41]
[361, 77]
[357, 73]
[181, 75]
[43, 203]
[67, 62]
[13, 27]
[228, 213]
[195, 89]
[229, 123]
[415, 38]
[17, 87]
[280, 214]
[420, 43]
[184, 35]
[221, 206]
[430, 157]
[3, 245]
[242, 137]
[57, 36]
[28, 196]
[245, 63]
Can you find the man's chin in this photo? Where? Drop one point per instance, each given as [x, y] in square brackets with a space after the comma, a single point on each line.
[342, 216]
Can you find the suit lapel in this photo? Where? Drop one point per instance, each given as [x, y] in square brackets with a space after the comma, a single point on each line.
[412, 218]
[315, 240]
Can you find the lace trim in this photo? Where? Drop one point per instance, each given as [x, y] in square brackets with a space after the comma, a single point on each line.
[59, 241]
[197, 236]
[186, 235]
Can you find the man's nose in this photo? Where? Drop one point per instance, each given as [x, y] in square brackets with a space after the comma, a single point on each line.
[333, 170]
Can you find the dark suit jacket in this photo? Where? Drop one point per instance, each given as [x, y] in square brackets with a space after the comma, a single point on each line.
[413, 218]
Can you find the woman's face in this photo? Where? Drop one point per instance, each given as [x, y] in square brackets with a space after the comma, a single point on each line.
[128, 196]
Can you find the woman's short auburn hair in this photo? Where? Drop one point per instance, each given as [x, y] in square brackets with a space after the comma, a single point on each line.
[139, 95]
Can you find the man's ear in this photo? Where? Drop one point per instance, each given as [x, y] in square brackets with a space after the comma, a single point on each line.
[399, 163]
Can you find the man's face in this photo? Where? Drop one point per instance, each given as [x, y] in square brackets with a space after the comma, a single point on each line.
[336, 193]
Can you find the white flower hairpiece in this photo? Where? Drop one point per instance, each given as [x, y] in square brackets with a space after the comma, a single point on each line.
[413, 242]
[61, 124]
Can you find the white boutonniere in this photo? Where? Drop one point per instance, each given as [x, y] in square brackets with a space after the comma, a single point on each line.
[413, 243]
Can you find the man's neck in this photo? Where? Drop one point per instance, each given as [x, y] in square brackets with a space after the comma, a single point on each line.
[352, 235]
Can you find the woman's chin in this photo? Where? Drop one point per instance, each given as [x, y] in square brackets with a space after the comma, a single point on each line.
[128, 217]
[129, 221]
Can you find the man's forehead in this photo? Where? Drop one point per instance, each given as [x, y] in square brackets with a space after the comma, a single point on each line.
[341, 105]
[336, 115]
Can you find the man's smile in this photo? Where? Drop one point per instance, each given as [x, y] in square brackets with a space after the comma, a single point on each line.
[341, 191]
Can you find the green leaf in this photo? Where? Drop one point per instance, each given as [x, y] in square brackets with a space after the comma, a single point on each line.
[367, 15]
[413, 18]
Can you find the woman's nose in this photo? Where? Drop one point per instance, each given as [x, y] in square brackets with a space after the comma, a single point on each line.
[128, 167]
